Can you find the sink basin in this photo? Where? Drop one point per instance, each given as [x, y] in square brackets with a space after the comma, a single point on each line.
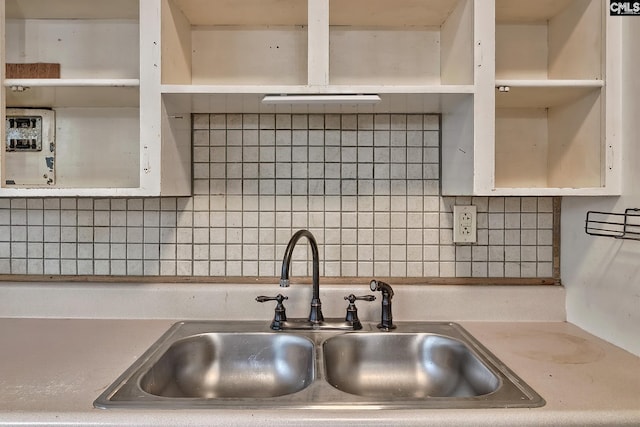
[245, 365]
[405, 366]
[218, 365]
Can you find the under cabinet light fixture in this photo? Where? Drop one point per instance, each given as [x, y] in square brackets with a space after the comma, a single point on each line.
[321, 99]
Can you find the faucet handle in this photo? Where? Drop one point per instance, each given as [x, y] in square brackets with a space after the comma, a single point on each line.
[352, 311]
[278, 298]
[352, 298]
[280, 314]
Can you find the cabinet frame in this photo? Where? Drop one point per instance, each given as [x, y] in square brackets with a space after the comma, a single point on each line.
[139, 94]
[480, 159]
[465, 95]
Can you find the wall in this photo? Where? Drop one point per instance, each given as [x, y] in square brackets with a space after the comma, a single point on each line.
[601, 274]
[366, 185]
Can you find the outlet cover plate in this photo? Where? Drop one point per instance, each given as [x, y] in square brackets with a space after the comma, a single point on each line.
[465, 224]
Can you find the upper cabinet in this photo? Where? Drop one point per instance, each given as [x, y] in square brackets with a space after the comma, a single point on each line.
[553, 83]
[222, 55]
[105, 137]
[317, 42]
[555, 126]
[528, 91]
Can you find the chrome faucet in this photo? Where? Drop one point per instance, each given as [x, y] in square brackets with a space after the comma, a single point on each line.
[315, 315]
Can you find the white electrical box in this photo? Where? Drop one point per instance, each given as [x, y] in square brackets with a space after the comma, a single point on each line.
[30, 147]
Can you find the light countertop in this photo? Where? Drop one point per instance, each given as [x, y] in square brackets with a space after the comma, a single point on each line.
[51, 370]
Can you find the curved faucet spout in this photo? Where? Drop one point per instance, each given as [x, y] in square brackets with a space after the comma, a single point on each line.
[315, 316]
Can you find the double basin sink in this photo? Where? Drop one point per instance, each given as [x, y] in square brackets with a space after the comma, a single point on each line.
[245, 365]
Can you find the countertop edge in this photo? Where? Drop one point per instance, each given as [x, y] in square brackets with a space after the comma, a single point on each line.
[237, 418]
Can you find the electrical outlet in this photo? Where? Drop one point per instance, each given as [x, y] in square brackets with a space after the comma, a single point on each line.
[464, 224]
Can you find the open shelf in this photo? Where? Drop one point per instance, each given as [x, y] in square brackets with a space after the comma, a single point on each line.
[97, 147]
[71, 9]
[543, 93]
[96, 100]
[400, 42]
[104, 48]
[553, 142]
[552, 108]
[217, 42]
[549, 39]
[55, 93]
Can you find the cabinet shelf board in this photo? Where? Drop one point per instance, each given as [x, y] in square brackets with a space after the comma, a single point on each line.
[72, 9]
[72, 83]
[400, 103]
[16, 191]
[543, 94]
[390, 12]
[73, 96]
[244, 12]
[548, 191]
[520, 11]
[330, 89]
[541, 83]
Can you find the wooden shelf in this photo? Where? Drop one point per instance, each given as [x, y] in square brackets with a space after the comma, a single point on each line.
[391, 13]
[543, 93]
[526, 11]
[72, 82]
[71, 9]
[54, 93]
[242, 12]
[550, 191]
[72, 96]
[304, 89]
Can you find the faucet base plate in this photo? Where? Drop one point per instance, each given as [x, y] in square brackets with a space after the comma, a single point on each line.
[335, 324]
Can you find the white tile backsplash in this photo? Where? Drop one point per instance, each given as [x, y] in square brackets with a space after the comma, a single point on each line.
[366, 185]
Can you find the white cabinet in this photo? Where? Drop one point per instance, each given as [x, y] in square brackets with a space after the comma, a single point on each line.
[556, 119]
[527, 90]
[107, 127]
[555, 126]
[417, 55]
[220, 55]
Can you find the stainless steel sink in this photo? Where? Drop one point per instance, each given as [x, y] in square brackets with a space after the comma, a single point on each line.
[246, 365]
[215, 365]
[415, 366]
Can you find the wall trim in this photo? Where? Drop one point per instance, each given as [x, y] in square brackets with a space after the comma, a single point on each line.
[419, 281]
